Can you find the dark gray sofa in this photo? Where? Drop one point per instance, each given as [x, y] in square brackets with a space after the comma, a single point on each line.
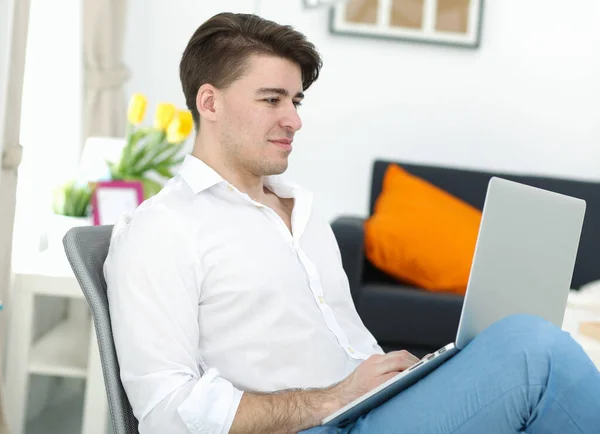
[405, 317]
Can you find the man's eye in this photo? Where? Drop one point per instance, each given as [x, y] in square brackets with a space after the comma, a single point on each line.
[274, 101]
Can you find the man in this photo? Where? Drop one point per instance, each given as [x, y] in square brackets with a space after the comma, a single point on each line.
[229, 305]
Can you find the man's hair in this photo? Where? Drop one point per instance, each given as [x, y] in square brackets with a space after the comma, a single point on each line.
[218, 53]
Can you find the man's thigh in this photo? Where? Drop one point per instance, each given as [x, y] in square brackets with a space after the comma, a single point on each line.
[487, 387]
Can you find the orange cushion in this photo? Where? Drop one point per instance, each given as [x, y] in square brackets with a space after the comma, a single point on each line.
[422, 234]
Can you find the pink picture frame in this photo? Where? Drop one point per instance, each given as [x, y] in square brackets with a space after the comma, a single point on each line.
[111, 199]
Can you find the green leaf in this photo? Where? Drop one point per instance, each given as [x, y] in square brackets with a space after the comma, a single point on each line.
[150, 160]
[151, 187]
[72, 200]
[166, 158]
[114, 170]
[82, 201]
[163, 171]
[135, 160]
[131, 144]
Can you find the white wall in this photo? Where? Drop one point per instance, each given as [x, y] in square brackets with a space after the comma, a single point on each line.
[526, 100]
[51, 120]
[6, 7]
[51, 137]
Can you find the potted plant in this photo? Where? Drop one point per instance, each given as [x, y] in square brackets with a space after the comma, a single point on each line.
[150, 153]
[70, 208]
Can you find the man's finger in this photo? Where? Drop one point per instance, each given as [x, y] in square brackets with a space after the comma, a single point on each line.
[408, 355]
[396, 361]
[386, 377]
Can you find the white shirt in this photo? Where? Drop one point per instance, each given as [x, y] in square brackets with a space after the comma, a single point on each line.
[211, 295]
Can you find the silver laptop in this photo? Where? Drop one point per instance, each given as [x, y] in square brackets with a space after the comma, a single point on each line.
[523, 263]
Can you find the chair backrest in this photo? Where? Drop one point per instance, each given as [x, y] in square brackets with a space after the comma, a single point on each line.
[86, 249]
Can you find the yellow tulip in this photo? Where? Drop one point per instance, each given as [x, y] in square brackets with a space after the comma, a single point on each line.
[180, 127]
[163, 116]
[137, 108]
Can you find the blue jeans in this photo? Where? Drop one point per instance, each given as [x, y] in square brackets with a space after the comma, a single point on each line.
[522, 374]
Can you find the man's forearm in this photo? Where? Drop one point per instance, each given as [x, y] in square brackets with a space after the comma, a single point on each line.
[288, 411]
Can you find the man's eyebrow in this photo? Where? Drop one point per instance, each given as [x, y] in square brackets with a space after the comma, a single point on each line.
[278, 91]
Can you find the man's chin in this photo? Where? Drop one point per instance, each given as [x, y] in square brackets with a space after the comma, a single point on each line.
[279, 170]
[276, 168]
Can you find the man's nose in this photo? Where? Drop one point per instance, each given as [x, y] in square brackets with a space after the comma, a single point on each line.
[292, 119]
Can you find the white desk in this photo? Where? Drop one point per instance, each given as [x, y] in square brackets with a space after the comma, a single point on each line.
[67, 350]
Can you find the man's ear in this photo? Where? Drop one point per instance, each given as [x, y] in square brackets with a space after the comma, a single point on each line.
[205, 102]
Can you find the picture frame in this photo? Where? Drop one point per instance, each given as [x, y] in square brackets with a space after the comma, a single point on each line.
[313, 4]
[111, 199]
[447, 22]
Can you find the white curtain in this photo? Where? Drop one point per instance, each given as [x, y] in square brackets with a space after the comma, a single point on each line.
[15, 20]
[105, 73]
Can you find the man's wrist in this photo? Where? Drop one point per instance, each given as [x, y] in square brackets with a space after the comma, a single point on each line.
[286, 410]
[331, 401]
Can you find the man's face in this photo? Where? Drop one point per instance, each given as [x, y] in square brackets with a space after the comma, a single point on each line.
[258, 115]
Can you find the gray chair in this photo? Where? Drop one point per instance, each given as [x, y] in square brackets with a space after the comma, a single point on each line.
[86, 249]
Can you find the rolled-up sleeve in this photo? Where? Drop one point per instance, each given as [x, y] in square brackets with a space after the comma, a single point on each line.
[154, 278]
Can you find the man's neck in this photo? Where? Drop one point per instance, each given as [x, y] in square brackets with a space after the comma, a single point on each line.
[244, 181]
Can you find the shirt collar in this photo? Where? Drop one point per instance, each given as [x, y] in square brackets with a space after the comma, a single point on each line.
[200, 176]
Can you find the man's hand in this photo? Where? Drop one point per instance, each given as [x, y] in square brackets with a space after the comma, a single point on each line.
[374, 371]
[296, 410]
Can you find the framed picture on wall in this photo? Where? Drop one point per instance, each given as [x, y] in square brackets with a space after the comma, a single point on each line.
[450, 22]
[111, 199]
[311, 4]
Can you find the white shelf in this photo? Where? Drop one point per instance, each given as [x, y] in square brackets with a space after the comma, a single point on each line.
[63, 351]
[47, 273]
[67, 350]
[62, 418]
[48, 285]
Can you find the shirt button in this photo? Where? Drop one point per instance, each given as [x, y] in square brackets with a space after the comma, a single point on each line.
[229, 187]
[321, 300]
[351, 350]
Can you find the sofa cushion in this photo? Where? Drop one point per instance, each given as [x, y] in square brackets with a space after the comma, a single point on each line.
[471, 186]
[395, 313]
[421, 234]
